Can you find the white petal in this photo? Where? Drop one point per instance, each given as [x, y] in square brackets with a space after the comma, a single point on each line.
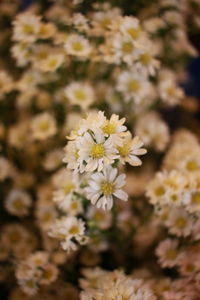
[121, 195]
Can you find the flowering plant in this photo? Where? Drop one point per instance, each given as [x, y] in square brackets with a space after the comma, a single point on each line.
[99, 151]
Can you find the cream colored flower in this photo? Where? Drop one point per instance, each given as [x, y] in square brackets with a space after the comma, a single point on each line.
[95, 151]
[153, 131]
[167, 253]
[26, 27]
[169, 91]
[43, 126]
[133, 85]
[77, 45]
[104, 186]
[18, 203]
[80, 93]
[130, 149]
[68, 229]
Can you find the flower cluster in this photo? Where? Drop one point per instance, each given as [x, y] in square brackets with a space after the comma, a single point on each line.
[96, 146]
[34, 270]
[101, 284]
[109, 76]
[175, 194]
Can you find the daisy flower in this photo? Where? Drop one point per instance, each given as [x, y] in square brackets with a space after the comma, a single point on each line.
[68, 229]
[153, 130]
[167, 253]
[77, 45]
[104, 186]
[18, 203]
[43, 126]
[133, 85]
[26, 27]
[71, 156]
[130, 149]
[95, 151]
[80, 93]
[130, 26]
[114, 127]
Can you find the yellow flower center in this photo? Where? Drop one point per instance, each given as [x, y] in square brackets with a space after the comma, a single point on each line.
[159, 191]
[190, 268]
[42, 55]
[99, 216]
[174, 198]
[44, 125]
[134, 85]
[124, 150]
[134, 32]
[196, 198]
[107, 188]
[97, 151]
[29, 283]
[76, 154]
[145, 58]
[74, 205]
[18, 204]
[181, 223]
[80, 95]
[192, 165]
[46, 217]
[28, 29]
[68, 188]
[171, 254]
[74, 230]
[47, 274]
[127, 47]
[14, 237]
[171, 91]
[110, 128]
[105, 22]
[52, 63]
[77, 46]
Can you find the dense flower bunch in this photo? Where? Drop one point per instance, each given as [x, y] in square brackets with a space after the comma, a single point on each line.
[35, 269]
[94, 151]
[175, 194]
[107, 76]
[111, 285]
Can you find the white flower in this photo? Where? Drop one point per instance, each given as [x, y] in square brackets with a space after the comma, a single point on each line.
[179, 222]
[71, 156]
[130, 26]
[95, 151]
[103, 186]
[124, 49]
[169, 92]
[99, 217]
[153, 130]
[53, 159]
[50, 63]
[26, 27]
[68, 186]
[114, 127]
[130, 149]
[77, 45]
[133, 85]
[167, 252]
[18, 203]
[43, 126]
[146, 60]
[67, 229]
[80, 93]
